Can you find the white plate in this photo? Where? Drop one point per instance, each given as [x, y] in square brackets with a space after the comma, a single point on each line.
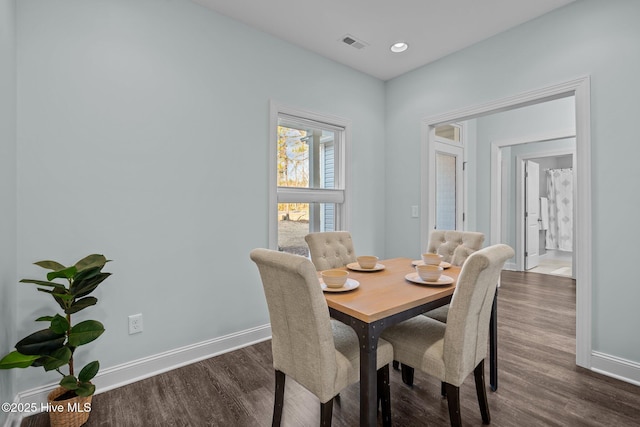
[443, 264]
[442, 281]
[348, 286]
[356, 267]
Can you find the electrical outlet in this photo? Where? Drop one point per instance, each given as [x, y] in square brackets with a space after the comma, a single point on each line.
[135, 324]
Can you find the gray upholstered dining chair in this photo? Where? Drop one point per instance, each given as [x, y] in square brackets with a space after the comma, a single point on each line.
[455, 247]
[319, 353]
[330, 249]
[451, 351]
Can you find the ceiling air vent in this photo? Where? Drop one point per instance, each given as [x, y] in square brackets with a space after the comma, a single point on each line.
[353, 42]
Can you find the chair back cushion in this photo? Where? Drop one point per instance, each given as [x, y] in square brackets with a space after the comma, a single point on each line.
[302, 338]
[330, 249]
[465, 339]
[454, 246]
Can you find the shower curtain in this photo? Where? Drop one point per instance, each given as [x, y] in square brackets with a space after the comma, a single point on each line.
[560, 195]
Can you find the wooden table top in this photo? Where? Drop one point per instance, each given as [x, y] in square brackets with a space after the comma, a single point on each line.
[387, 292]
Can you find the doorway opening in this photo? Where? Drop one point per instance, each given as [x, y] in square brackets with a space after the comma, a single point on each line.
[552, 231]
[579, 89]
[533, 231]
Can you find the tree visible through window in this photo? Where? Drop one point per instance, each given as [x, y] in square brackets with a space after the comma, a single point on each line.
[310, 191]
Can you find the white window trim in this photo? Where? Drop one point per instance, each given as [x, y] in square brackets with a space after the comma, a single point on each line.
[341, 196]
[462, 128]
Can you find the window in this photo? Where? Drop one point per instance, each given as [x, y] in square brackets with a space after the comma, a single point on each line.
[308, 177]
[450, 133]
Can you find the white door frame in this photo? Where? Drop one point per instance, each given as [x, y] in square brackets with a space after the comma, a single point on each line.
[520, 195]
[580, 89]
[532, 209]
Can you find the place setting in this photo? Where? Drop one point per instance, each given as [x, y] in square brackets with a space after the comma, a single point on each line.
[366, 263]
[431, 259]
[429, 271]
[337, 281]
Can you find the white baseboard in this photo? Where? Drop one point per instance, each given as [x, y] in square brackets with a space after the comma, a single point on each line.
[130, 372]
[511, 266]
[616, 367]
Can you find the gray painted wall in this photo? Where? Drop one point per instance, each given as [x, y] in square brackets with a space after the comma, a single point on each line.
[8, 283]
[587, 37]
[143, 134]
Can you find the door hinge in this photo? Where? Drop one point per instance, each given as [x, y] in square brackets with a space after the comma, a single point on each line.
[464, 166]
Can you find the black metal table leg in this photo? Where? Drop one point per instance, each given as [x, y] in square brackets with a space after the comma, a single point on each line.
[368, 334]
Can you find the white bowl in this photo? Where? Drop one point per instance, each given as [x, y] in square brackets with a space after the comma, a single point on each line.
[429, 273]
[367, 261]
[334, 278]
[432, 259]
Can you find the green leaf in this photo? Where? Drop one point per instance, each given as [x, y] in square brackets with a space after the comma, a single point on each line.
[64, 297]
[43, 283]
[60, 301]
[16, 359]
[86, 281]
[58, 358]
[50, 265]
[66, 273]
[44, 319]
[59, 324]
[85, 332]
[81, 304]
[87, 273]
[40, 361]
[91, 261]
[41, 343]
[85, 389]
[69, 382]
[88, 372]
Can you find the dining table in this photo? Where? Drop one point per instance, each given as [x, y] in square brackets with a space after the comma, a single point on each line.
[383, 296]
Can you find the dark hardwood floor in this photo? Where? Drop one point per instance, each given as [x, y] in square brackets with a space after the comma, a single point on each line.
[539, 383]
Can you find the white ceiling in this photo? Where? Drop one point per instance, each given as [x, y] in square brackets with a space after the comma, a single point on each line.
[432, 28]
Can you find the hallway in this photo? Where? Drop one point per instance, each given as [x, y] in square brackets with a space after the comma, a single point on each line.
[554, 262]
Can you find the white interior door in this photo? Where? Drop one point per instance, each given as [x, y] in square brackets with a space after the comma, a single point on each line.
[532, 214]
[449, 187]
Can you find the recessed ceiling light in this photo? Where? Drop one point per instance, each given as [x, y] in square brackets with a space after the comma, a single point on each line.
[399, 47]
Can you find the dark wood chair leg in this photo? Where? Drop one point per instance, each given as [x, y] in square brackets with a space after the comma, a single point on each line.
[279, 399]
[326, 412]
[384, 395]
[453, 400]
[396, 365]
[443, 389]
[481, 390]
[493, 344]
[407, 374]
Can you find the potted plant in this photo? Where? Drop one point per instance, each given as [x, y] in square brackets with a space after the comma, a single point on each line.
[53, 347]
